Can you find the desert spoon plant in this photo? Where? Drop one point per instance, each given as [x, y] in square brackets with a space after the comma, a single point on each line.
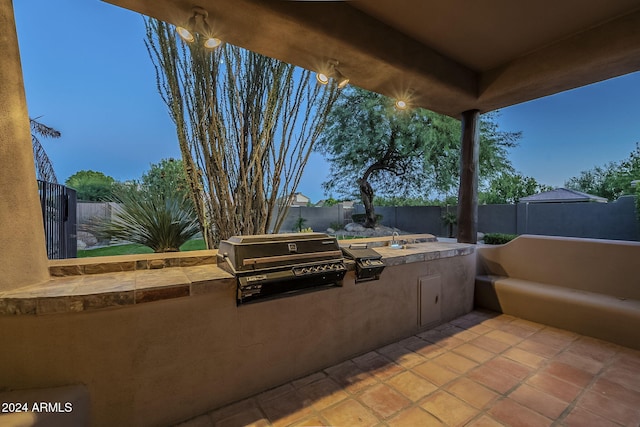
[160, 222]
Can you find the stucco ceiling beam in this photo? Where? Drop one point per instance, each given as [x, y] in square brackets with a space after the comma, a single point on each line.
[373, 55]
[600, 53]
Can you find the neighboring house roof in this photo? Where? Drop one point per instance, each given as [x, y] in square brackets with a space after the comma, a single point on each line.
[347, 204]
[562, 195]
[298, 199]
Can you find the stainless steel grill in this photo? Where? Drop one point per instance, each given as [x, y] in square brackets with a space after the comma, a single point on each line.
[276, 265]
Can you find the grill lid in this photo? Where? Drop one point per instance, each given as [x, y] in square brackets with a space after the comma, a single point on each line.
[241, 254]
[279, 265]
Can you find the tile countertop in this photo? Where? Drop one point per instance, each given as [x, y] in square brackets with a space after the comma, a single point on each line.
[85, 284]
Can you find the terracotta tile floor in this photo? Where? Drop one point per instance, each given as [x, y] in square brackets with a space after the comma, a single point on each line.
[482, 369]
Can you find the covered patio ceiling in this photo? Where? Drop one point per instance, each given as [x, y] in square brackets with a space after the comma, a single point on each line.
[451, 56]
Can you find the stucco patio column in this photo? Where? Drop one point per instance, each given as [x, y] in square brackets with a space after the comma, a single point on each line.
[23, 255]
[468, 190]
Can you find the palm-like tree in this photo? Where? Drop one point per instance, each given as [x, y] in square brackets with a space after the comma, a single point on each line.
[44, 167]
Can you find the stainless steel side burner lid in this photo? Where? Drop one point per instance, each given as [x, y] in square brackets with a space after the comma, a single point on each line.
[369, 263]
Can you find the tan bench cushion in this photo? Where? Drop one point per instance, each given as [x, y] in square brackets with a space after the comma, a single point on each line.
[601, 316]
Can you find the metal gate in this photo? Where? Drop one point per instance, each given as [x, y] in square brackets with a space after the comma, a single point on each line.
[58, 205]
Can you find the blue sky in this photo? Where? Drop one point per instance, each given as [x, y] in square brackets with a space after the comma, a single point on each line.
[91, 78]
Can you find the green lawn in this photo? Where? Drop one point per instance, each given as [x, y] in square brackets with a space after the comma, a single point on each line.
[133, 248]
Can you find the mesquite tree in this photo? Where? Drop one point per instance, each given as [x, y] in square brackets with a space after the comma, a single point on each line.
[372, 146]
[246, 125]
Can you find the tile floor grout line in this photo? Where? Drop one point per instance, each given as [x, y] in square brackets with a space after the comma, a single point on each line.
[545, 363]
[484, 411]
[584, 390]
[562, 345]
[506, 394]
[442, 388]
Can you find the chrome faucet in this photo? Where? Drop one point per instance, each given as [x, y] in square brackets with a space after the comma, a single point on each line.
[393, 239]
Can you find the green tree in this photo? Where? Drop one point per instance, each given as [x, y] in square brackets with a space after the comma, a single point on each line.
[44, 167]
[330, 201]
[610, 181]
[91, 185]
[403, 201]
[166, 178]
[600, 181]
[246, 125]
[510, 188]
[371, 145]
[367, 142]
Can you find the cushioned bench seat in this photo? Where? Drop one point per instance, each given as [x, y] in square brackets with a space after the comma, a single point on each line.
[588, 286]
[614, 319]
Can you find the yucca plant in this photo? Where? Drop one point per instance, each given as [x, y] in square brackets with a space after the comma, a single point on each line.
[160, 222]
[450, 219]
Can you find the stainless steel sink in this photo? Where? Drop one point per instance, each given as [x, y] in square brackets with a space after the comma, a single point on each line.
[398, 243]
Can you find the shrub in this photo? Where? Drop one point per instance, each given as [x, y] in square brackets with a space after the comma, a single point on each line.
[450, 219]
[498, 238]
[299, 224]
[336, 226]
[161, 223]
[360, 218]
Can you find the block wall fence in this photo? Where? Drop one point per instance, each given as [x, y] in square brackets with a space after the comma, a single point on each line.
[616, 220]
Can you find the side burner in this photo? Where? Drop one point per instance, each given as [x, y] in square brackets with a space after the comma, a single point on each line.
[369, 263]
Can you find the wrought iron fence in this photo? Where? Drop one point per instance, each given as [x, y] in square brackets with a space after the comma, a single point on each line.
[58, 205]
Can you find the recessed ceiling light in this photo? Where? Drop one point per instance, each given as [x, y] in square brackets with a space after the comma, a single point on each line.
[322, 78]
[401, 104]
[212, 43]
[342, 80]
[185, 34]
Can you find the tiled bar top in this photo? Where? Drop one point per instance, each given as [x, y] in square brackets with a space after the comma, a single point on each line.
[418, 252]
[78, 285]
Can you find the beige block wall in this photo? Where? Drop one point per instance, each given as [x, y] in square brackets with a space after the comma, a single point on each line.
[608, 267]
[22, 243]
[163, 362]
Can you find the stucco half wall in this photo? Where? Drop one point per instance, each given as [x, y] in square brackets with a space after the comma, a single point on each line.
[588, 286]
[163, 362]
